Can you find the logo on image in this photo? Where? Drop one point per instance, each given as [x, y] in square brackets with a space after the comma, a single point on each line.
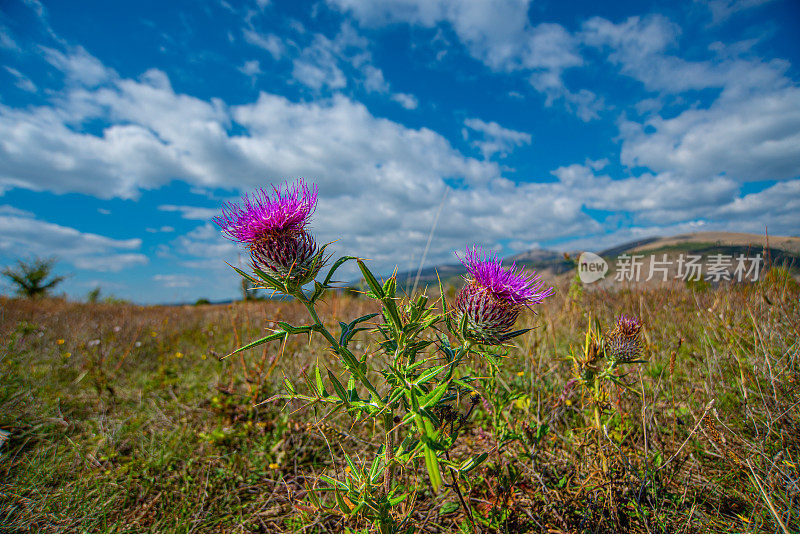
[591, 267]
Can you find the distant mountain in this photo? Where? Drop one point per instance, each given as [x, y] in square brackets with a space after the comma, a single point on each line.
[778, 250]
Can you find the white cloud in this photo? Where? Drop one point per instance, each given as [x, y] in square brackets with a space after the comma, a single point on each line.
[494, 138]
[374, 80]
[316, 66]
[21, 235]
[498, 34]
[406, 100]
[722, 10]
[381, 182]
[6, 209]
[757, 138]
[22, 81]
[79, 66]
[642, 46]
[269, 42]
[195, 213]
[251, 68]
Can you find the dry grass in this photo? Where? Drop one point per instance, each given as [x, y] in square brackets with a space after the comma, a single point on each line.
[131, 423]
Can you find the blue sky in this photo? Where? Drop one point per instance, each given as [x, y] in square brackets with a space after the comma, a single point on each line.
[567, 125]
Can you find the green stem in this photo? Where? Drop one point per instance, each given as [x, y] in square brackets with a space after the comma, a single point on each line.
[337, 347]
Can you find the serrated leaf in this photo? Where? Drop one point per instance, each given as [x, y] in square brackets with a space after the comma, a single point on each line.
[280, 334]
[395, 500]
[345, 509]
[389, 287]
[319, 290]
[391, 309]
[512, 335]
[429, 374]
[245, 275]
[354, 471]
[289, 329]
[433, 397]
[372, 282]
[340, 391]
[333, 482]
[338, 263]
[289, 386]
[320, 386]
[270, 281]
[473, 462]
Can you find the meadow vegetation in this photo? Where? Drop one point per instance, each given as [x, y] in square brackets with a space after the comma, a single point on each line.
[122, 418]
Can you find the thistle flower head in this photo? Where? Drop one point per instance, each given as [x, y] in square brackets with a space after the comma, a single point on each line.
[624, 343]
[511, 285]
[266, 215]
[273, 227]
[493, 296]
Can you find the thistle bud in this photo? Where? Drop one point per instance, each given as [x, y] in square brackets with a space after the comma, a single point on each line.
[493, 297]
[624, 343]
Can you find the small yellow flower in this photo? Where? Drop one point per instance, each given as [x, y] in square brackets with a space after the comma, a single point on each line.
[60, 342]
[67, 354]
[568, 402]
[521, 373]
[273, 465]
[202, 356]
[179, 355]
[153, 334]
[347, 469]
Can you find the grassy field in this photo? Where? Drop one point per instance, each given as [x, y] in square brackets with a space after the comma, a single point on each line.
[123, 419]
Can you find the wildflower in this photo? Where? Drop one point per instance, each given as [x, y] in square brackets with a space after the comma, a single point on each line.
[60, 342]
[273, 465]
[273, 227]
[493, 296]
[624, 343]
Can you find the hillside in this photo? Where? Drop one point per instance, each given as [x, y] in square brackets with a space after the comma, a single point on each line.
[775, 250]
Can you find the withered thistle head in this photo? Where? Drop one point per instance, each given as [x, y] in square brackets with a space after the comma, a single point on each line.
[272, 225]
[493, 296]
[624, 343]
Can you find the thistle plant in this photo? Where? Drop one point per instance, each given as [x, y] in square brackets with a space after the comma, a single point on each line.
[597, 368]
[411, 383]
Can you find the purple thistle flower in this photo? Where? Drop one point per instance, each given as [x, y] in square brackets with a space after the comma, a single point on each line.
[273, 229]
[493, 296]
[263, 217]
[624, 343]
[511, 284]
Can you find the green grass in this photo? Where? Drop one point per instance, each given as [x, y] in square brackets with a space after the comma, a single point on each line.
[132, 424]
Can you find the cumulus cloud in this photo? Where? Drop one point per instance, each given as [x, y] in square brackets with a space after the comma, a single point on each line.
[381, 183]
[20, 233]
[752, 139]
[494, 139]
